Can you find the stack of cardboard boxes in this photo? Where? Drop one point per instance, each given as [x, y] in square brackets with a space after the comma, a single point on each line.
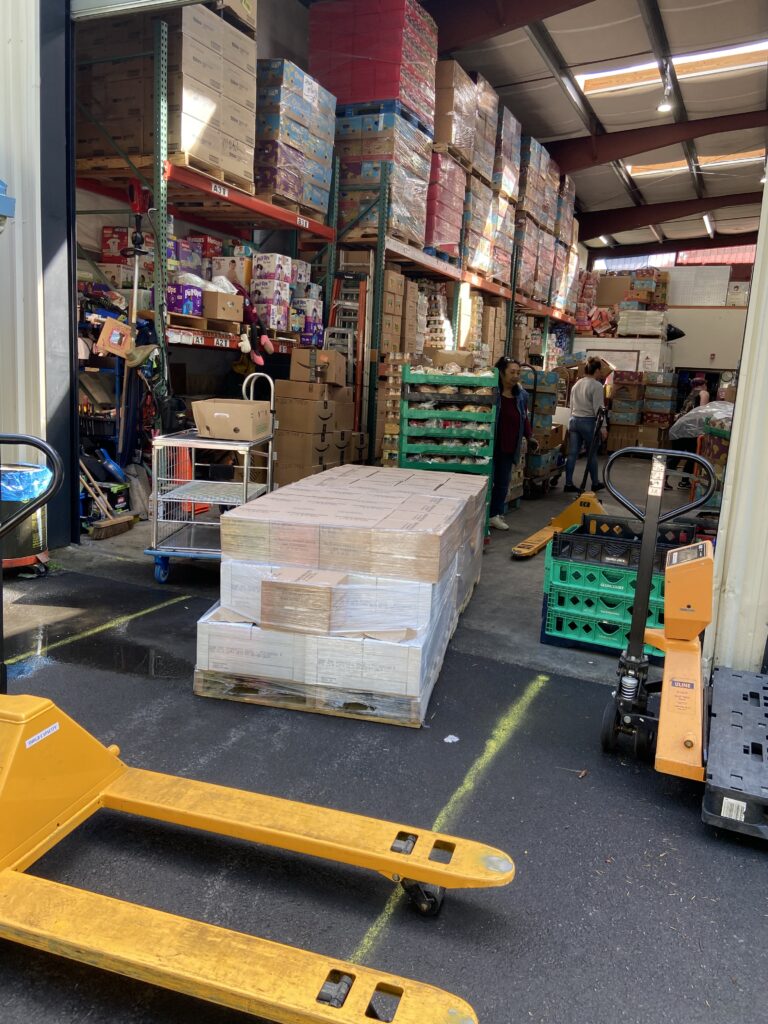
[626, 409]
[211, 90]
[486, 127]
[390, 387]
[659, 405]
[455, 110]
[392, 311]
[315, 417]
[414, 329]
[506, 166]
[445, 204]
[340, 593]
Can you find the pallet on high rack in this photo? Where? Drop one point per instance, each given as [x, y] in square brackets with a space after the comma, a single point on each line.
[447, 422]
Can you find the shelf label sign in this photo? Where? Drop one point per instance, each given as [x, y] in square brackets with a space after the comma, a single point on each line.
[219, 190]
[220, 342]
[302, 222]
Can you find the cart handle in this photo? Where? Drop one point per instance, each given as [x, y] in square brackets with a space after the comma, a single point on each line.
[665, 453]
[57, 479]
[249, 384]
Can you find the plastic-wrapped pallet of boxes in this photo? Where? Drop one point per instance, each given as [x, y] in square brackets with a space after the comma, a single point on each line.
[527, 241]
[389, 392]
[376, 50]
[455, 110]
[566, 202]
[340, 593]
[315, 414]
[480, 226]
[295, 130]
[659, 407]
[503, 239]
[550, 194]
[541, 386]
[445, 204]
[439, 320]
[544, 266]
[414, 327]
[587, 296]
[486, 125]
[211, 90]
[506, 166]
[364, 141]
[534, 171]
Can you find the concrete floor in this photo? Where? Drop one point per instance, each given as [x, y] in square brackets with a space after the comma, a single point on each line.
[625, 907]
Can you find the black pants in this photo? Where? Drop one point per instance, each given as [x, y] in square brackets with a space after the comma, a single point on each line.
[684, 444]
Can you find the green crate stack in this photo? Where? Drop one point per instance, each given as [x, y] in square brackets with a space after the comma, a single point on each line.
[418, 442]
[593, 603]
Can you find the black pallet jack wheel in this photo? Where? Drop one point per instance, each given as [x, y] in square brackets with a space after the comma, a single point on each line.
[609, 729]
[645, 744]
[425, 899]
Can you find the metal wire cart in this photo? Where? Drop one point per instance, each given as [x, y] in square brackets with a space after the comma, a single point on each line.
[197, 478]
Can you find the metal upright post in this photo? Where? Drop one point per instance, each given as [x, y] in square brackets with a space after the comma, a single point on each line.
[332, 247]
[161, 187]
[378, 304]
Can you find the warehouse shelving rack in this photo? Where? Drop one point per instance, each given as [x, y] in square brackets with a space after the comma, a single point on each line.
[196, 198]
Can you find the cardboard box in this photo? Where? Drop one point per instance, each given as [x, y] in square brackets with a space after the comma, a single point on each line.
[236, 157]
[652, 436]
[238, 123]
[239, 86]
[222, 306]
[613, 290]
[305, 600]
[288, 474]
[305, 415]
[193, 22]
[188, 56]
[116, 338]
[113, 239]
[317, 392]
[232, 419]
[312, 365]
[442, 357]
[344, 416]
[186, 134]
[237, 269]
[237, 48]
[394, 282]
[298, 449]
[245, 10]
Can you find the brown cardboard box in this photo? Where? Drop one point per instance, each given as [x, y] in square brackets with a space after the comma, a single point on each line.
[127, 132]
[187, 135]
[652, 437]
[288, 474]
[238, 122]
[394, 281]
[612, 290]
[449, 74]
[239, 86]
[186, 95]
[344, 416]
[627, 392]
[188, 56]
[245, 10]
[389, 342]
[621, 437]
[393, 304]
[442, 357]
[221, 306]
[727, 394]
[116, 338]
[232, 419]
[311, 365]
[297, 449]
[305, 416]
[310, 392]
[193, 22]
[301, 599]
[237, 48]
[236, 157]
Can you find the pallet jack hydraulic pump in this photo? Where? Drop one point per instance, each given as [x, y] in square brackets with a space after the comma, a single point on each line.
[54, 776]
[713, 732]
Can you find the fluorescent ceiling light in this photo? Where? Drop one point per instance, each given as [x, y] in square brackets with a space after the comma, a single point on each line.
[665, 106]
[604, 240]
[708, 225]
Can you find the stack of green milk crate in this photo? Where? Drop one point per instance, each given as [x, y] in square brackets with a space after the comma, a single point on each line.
[448, 421]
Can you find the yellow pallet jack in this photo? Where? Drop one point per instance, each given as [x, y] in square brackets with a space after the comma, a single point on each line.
[711, 732]
[585, 504]
[54, 775]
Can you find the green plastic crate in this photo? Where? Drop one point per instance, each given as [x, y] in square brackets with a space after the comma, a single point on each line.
[597, 579]
[596, 632]
[603, 607]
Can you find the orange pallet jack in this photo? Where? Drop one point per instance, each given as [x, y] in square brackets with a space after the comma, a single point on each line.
[55, 776]
[708, 732]
[584, 504]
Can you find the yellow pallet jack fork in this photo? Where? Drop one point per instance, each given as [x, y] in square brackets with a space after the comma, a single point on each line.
[585, 504]
[54, 776]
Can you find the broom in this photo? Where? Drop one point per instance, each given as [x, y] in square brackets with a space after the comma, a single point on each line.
[110, 524]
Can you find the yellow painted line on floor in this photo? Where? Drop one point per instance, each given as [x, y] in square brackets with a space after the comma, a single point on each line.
[502, 733]
[116, 623]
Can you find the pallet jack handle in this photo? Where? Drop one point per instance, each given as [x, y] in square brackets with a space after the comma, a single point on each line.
[57, 468]
[633, 660]
[656, 453]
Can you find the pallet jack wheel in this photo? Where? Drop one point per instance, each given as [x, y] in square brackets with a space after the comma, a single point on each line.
[645, 744]
[425, 899]
[609, 729]
[162, 570]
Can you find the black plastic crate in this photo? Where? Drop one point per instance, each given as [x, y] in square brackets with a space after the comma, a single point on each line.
[678, 533]
[621, 553]
[736, 792]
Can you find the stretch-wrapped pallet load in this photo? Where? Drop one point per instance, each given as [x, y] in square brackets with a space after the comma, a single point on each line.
[503, 238]
[527, 241]
[211, 90]
[295, 130]
[486, 126]
[566, 201]
[643, 322]
[586, 300]
[455, 110]
[480, 226]
[506, 165]
[378, 138]
[535, 197]
[414, 324]
[544, 266]
[445, 204]
[368, 51]
[339, 594]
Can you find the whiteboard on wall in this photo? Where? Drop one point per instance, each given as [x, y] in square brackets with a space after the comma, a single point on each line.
[698, 286]
[627, 360]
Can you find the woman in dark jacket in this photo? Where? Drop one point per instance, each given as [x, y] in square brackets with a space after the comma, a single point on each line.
[513, 423]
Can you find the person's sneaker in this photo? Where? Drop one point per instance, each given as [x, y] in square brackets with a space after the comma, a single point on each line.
[598, 487]
[684, 485]
[667, 485]
[497, 523]
[571, 489]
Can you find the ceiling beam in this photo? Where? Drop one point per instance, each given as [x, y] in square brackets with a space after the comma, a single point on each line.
[461, 24]
[596, 150]
[657, 34]
[607, 222]
[672, 245]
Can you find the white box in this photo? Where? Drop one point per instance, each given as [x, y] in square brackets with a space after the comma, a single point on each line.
[272, 265]
[265, 289]
[237, 269]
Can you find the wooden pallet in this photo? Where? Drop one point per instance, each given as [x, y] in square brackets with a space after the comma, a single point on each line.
[215, 173]
[275, 199]
[197, 323]
[323, 700]
[452, 151]
[234, 19]
[110, 165]
[482, 177]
